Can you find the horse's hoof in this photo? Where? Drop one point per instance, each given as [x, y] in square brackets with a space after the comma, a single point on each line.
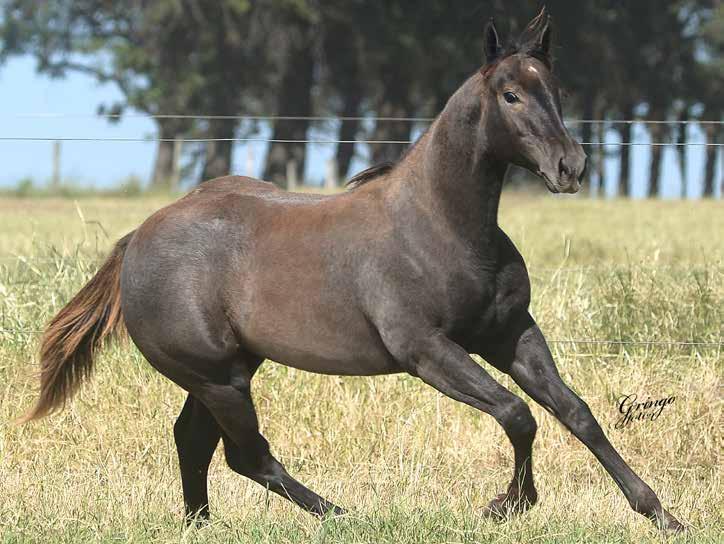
[505, 505]
[669, 524]
[332, 511]
[496, 509]
[198, 520]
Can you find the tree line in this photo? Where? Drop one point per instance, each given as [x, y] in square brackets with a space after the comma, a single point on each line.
[648, 60]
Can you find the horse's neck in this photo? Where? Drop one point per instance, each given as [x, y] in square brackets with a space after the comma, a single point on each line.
[451, 174]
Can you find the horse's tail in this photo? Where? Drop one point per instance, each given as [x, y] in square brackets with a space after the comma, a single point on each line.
[71, 338]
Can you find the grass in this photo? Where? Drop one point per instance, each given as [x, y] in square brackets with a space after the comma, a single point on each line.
[411, 465]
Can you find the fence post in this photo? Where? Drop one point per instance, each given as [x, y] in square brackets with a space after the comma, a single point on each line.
[330, 178]
[292, 175]
[55, 180]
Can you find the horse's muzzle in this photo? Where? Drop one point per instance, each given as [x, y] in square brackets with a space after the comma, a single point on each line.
[571, 168]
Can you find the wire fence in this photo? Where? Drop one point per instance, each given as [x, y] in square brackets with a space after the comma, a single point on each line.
[121, 116]
[273, 118]
[305, 141]
[316, 118]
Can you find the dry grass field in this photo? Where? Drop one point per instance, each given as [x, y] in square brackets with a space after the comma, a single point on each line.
[409, 464]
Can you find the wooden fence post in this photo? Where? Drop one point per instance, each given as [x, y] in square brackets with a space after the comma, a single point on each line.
[55, 180]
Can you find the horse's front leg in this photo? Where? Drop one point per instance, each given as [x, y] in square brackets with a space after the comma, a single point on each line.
[447, 367]
[526, 358]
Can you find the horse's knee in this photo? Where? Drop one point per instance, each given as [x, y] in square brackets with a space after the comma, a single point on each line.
[577, 416]
[518, 421]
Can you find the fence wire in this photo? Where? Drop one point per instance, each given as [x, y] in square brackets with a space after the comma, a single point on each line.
[305, 141]
[205, 117]
[604, 342]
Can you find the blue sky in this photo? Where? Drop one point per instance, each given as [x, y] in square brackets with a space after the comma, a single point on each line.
[101, 164]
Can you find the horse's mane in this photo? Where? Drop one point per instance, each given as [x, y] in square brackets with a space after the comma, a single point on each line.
[378, 170]
[368, 174]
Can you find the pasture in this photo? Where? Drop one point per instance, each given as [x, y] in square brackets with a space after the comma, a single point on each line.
[418, 467]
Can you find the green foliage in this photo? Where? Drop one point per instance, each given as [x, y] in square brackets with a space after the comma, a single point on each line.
[360, 58]
[130, 187]
[25, 187]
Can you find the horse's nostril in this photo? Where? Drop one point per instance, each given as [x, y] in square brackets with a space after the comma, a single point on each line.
[562, 168]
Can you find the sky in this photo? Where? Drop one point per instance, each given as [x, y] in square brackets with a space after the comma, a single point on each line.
[34, 105]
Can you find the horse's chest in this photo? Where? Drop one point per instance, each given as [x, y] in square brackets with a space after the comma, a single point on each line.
[496, 300]
[512, 295]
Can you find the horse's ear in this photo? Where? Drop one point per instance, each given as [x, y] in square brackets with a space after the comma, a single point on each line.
[536, 38]
[545, 40]
[492, 43]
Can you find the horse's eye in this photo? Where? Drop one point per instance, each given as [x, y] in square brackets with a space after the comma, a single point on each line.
[510, 98]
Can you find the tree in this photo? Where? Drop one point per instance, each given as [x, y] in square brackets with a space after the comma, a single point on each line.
[344, 84]
[233, 62]
[392, 58]
[142, 48]
[356, 58]
[709, 85]
[581, 48]
[296, 40]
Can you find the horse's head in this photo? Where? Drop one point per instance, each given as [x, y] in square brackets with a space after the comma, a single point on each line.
[523, 108]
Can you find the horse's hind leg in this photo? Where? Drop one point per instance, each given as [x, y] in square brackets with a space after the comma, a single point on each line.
[197, 435]
[247, 451]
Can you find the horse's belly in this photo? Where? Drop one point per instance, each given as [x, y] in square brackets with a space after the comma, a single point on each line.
[316, 348]
[295, 319]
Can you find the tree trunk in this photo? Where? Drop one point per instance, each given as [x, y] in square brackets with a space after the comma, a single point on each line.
[387, 131]
[681, 138]
[295, 99]
[217, 161]
[393, 101]
[624, 180]
[587, 129]
[348, 131]
[657, 135]
[163, 164]
[711, 131]
[600, 162]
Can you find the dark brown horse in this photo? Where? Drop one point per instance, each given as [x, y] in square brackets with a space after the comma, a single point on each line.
[408, 272]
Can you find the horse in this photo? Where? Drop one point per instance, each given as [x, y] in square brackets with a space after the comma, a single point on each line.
[408, 271]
